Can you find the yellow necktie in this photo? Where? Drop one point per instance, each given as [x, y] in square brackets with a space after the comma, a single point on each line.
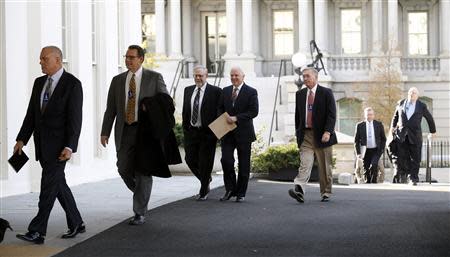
[131, 111]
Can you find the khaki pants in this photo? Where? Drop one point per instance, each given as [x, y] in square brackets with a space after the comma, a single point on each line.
[324, 158]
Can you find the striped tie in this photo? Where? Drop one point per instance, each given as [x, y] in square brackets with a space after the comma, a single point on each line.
[47, 94]
[131, 105]
[196, 107]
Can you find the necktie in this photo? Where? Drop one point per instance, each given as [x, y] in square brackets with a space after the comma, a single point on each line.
[47, 94]
[309, 120]
[196, 107]
[235, 94]
[370, 135]
[131, 105]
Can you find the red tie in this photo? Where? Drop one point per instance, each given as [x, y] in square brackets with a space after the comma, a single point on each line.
[309, 113]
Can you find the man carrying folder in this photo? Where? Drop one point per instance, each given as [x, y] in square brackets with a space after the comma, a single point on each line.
[54, 118]
[240, 101]
[199, 110]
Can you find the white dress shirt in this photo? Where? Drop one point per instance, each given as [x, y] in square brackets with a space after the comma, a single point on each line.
[137, 79]
[409, 108]
[314, 89]
[55, 77]
[370, 133]
[202, 93]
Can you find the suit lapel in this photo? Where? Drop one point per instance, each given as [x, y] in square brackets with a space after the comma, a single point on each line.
[364, 132]
[205, 96]
[122, 93]
[240, 93]
[143, 87]
[59, 88]
[188, 100]
[303, 93]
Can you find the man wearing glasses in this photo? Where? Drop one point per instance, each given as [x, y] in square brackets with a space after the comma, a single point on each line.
[125, 92]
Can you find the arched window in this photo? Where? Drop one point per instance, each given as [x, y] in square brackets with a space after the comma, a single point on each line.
[349, 113]
[429, 102]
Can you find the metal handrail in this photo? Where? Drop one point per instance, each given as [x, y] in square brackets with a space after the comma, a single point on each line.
[176, 78]
[219, 71]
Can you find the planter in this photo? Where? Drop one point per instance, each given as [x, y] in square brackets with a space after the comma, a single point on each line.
[289, 174]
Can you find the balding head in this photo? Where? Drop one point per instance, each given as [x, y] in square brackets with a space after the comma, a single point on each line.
[236, 76]
[50, 60]
[413, 94]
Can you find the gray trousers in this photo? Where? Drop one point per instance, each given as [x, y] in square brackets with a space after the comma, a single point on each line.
[140, 185]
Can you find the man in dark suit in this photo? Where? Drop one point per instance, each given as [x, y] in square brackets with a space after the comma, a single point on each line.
[54, 118]
[199, 110]
[125, 93]
[370, 136]
[315, 117]
[406, 125]
[240, 101]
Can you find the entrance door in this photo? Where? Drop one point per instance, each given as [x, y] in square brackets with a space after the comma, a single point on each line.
[214, 39]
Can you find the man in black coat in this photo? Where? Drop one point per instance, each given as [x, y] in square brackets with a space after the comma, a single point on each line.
[315, 118]
[370, 136]
[54, 117]
[240, 101]
[199, 110]
[406, 125]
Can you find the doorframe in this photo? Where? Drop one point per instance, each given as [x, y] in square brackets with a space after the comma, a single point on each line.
[204, 14]
[3, 111]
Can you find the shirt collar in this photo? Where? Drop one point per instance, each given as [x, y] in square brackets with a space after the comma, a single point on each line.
[202, 88]
[138, 73]
[57, 75]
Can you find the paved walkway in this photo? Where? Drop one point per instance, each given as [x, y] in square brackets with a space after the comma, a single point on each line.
[102, 205]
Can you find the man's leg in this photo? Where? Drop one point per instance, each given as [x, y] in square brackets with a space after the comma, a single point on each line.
[306, 161]
[227, 160]
[206, 163]
[142, 194]
[415, 155]
[324, 159]
[192, 149]
[125, 157]
[244, 152]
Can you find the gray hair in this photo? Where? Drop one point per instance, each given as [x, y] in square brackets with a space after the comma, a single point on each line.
[368, 109]
[200, 67]
[314, 71]
[414, 89]
[238, 69]
[55, 50]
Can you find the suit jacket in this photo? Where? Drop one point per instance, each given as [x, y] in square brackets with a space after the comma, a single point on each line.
[208, 108]
[361, 136]
[156, 145]
[324, 115]
[151, 83]
[60, 125]
[412, 127]
[245, 109]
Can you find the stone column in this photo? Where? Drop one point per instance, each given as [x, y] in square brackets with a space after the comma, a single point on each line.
[304, 25]
[393, 25]
[231, 28]
[160, 16]
[376, 27]
[444, 13]
[175, 30]
[247, 28]
[187, 28]
[321, 24]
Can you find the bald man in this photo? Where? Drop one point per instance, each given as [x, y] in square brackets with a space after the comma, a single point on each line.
[54, 119]
[406, 125]
[240, 101]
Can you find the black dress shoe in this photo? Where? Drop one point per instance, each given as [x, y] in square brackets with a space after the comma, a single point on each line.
[296, 195]
[201, 198]
[227, 196]
[32, 237]
[71, 233]
[325, 198]
[137, 220]
[240, 199]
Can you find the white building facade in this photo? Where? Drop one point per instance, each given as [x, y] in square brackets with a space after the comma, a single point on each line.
[256, 35]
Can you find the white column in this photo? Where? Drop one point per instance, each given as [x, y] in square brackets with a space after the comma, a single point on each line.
[187, 27]
[321, 24]
[247, 28]
[175, 29]
[304, 25]
[255, 31]
[131, 22]
[231, 28]
[160, 16]
[444, 8]
[376, 26]
[393, 25]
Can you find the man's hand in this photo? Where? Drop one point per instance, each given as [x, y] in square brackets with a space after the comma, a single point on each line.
[326, 137]
[231, 119]
[65, 155]
[18, 147]
[104, 140]
[431, 135]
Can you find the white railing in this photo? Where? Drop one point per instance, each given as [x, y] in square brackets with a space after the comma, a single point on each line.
[340, 63]
[420, 63]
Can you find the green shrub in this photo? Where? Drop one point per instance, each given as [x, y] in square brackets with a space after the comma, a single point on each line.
[179, 135]
[275, 158]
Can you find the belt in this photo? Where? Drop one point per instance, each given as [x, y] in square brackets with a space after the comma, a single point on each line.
[308, 128]
[195, 128]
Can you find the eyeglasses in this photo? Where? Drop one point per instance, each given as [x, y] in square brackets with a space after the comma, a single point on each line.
[130, 57]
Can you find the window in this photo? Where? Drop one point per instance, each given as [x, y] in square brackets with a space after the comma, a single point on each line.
[351, 31]
[429, 102]
[350, 112]
[149, 32]
[283, 33]
[417, 33]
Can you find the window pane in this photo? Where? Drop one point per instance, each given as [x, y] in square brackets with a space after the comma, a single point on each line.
[349, 114]
[351, 31]
[148, 32]
[283, 33]
[418, 33]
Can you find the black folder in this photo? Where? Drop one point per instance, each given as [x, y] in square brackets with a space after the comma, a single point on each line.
[18, 160]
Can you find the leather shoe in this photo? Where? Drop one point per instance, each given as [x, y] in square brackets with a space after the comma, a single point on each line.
[240, 199]
[227, 196]
[71, 233]
[296, 195]
[137, 220]
[32, 237]
[325, 198]
[201, 198]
